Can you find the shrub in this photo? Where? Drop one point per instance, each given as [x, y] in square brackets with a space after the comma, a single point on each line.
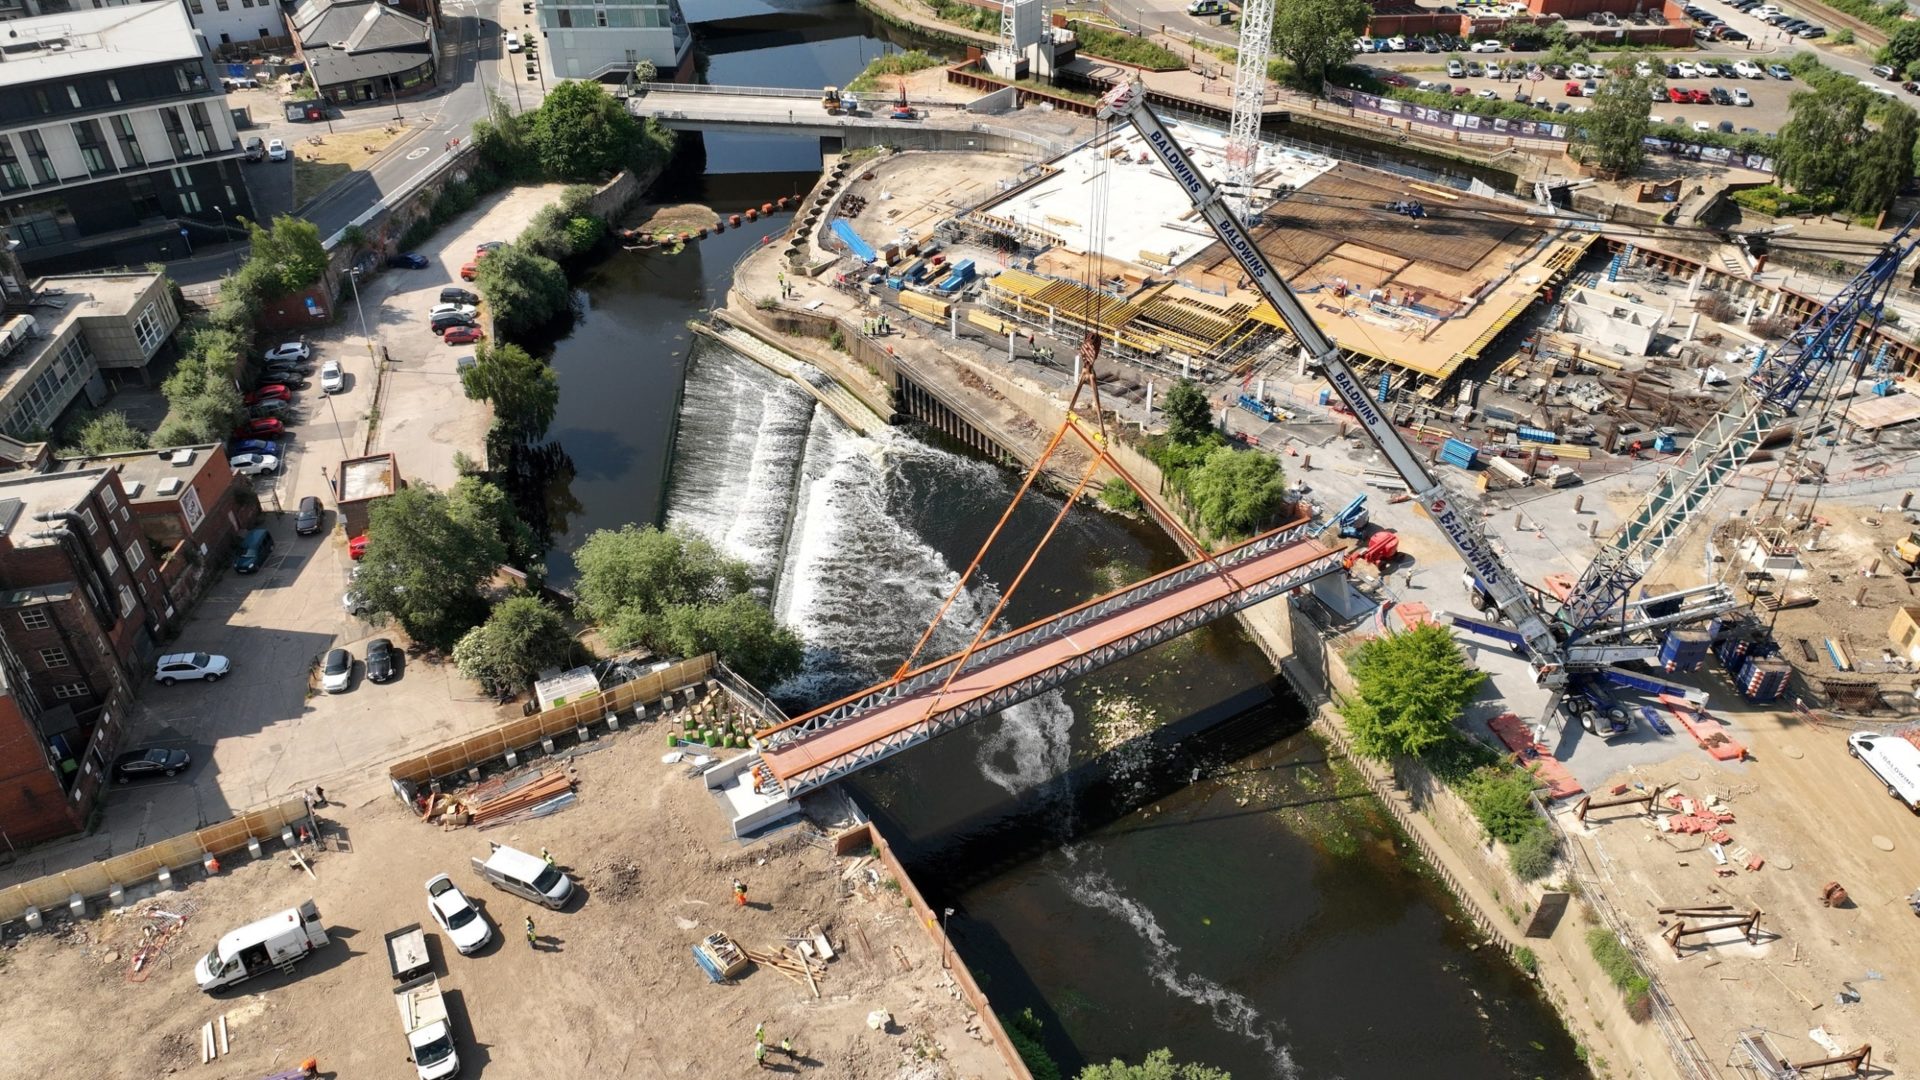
[1122, 47]
[1119, 495]
[1531, 856]
[1525, 960]
[905, 63]
[1622, 971]
[1023, 1030]
[1501, 797]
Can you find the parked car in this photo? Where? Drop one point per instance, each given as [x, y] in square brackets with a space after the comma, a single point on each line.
[307, 521]
[380, 660]
[455, 295]
[276, 150]
[336, 671]
[1699, 97]
[485, 246]
[463, 923]
[1719, 96]
[1747, 69]
[1474, 69]
[1780, 71]
[1579, 71]
[269, 392]
[255, 546]
[463, 335]
[470, 309]
[1702, 126]
[357, 547]
[355, 603]
[254, 464]
[1486, 46]
[407, 260]
[149, 762]
[1679, 95]
[252, 446]
[256, 149]
[173, 667]
[1456, 69]
[333, 378]
[469, 271]
[259, 427]
[290, 350]
[1741, 97]
[269, 407]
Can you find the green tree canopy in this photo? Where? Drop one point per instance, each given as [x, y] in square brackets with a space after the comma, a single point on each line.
[1885, 161]
[204, 402]
[581, 132]
[425, 564]
[1409, 687]
[1829, 147]
[1189, 416]
[487, 506]
[1159, 1065]
[290, 252]
[526, 291]
[108, 433]
[523, 390]
[1236, 492]
[1316, 36]
[1609, 136]
[521, 638]
[674, 592]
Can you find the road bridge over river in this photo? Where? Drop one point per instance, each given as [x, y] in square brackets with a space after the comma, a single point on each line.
[839, 739]
[944, 125]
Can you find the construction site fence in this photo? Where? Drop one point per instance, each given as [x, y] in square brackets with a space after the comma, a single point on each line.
[864, 835]
[449, 758]
[99, 879]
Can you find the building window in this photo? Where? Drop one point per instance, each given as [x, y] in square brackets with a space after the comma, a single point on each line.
[93, 150]
[40, 98]
[69, 691]
[51, 392]
[73, 95]
[12, 176]
[93, 524]
[196, 7]
[107, 497]
[112, 561]
[34, 618]
[126, 601]
[53, 657]
[599, 17]
[177, 132]
[113, 89]
[150, 329]
[135, 554]
[189, 202]
[203, 125]
[221, 4]
[37, 154]
[129, 142]
[146, 204]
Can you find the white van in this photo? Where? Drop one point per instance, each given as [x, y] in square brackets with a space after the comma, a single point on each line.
[525, 876]
[513, 42]
[276, 941]
[1894, 760]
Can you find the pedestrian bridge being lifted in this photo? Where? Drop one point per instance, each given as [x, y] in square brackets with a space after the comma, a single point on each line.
[848, 735]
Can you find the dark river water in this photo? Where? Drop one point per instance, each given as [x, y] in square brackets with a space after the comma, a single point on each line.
[1155, 856]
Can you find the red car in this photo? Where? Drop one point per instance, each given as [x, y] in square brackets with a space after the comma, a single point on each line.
[260, 427]
[357, 547]
[274, 392]
[1700, 97]
[1678, 95]
[469, 271]
[463, 335]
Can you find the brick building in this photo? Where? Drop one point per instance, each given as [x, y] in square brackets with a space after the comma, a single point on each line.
[361, 482]
[51, 762]
[186, 503]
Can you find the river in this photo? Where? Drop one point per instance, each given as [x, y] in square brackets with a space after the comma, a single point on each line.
[1226, 894]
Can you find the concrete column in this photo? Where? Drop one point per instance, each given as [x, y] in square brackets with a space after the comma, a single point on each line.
[1009, 345]
[1693, 286]
[1260, 389]
[953, 323]
[1693, 324]
[1146, 416]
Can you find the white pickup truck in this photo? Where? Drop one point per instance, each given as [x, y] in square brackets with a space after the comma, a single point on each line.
[423, 1015]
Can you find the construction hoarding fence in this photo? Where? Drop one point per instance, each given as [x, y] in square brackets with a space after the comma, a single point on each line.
[449, 758]
[99, 879]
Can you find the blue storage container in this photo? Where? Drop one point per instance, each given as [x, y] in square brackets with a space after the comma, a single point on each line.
[1325, 397]
[1459, 454]
[1534, 434]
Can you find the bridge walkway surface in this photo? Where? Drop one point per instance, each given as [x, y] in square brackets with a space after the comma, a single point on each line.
[848, 735]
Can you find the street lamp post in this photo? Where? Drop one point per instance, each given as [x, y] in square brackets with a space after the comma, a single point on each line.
[224, 233]
[946, 942]
[353, 277]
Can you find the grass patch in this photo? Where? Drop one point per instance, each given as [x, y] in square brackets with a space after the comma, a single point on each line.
[317, 168]
[1770, 199]
[1622, 972]
[1124, 48]
[897, 64]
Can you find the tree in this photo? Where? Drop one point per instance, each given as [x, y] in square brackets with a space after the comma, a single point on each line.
[523, 390]
[1158, 1065]
[675, 593]
[1409, 687]
[581, 132]
[291, 253]
[1609, 135]
[1817, 147]
[525, 291]
[1316, 36]
[425, 564]
[1189, 415]
[487, 507]
[205, 403]
[1236, 491]
[1884, 161]
[646, 72]
[108, 433]
[521, 638]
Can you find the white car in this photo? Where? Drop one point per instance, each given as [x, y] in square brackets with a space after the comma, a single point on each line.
[336, 671]
[452, 309]
[1643, 69]
[276, 150]
[333, 378]
[354, 602]
[465, 926]
[1579, 71]
[1741, 97]
[1485, 46]
[1489, 94]
[289, 350]
[1702, 125]
[513, 42]
[1747, 69]
[1455, 69]
[1493, 69]
[1687, 71]
[254, 464]
[173, 667]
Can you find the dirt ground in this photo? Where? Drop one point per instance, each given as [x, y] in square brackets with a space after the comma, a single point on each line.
[612, 989]
[318, 167]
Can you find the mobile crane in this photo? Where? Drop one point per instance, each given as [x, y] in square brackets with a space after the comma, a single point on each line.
[1597, 626]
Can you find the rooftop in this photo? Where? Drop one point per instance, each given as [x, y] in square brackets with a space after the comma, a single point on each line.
[58, 302]
[23, 498]
[108, 39]
[359, 39]
[150, 476]
[367, 477]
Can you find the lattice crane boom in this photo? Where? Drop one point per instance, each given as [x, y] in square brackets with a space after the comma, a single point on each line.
[1535, 635]
[1769, 394]
[1249, 103]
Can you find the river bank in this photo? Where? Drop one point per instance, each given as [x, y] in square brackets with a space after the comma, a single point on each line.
[1017, 413]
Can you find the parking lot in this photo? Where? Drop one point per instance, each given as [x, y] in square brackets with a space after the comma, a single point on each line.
[265, 730]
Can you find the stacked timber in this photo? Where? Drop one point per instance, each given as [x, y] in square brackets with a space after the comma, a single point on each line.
[925, 306]
[503, 798]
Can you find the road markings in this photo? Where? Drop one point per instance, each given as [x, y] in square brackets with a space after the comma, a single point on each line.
[419, 152]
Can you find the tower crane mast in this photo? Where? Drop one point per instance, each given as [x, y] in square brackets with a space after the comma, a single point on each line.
[1249, 103]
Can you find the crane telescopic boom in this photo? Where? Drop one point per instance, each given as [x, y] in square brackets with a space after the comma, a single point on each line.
[1462, 531]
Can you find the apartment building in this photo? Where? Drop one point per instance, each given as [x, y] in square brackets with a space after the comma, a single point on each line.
[604, 39]
[116, 143]
[78, 334]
